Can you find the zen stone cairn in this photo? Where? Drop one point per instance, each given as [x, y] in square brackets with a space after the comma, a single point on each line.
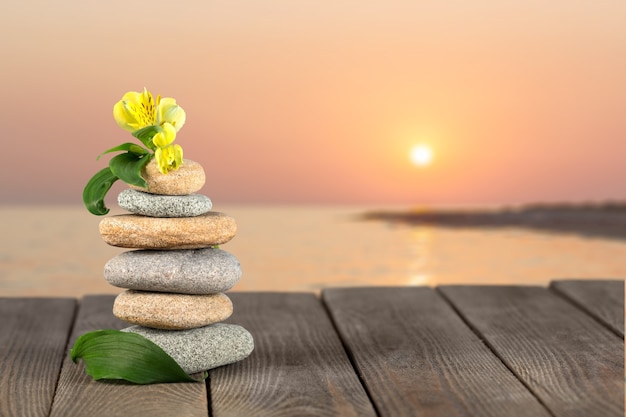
[176, 278]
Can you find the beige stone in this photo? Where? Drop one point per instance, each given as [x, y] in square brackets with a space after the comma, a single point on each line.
[187, 179]
[135, 231]
[171, 311]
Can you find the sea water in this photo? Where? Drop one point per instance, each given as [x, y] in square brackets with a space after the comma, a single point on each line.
[57, 251]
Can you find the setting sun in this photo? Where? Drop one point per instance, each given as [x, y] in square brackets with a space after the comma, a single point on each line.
[421, 155]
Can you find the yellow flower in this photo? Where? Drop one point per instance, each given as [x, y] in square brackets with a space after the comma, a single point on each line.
[165, 137]
[170, 112]
[138, 110]
[135, 110]
[169, 158]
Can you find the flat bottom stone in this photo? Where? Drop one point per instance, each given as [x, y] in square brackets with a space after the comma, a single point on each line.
[203, 348]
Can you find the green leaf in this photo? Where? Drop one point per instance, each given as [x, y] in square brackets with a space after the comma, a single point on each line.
[113, 354]
[146, 134]
[128, 166]
[96, 189]
[130, 147]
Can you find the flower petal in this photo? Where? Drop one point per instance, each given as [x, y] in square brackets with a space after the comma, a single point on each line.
[124, 117]
[160, 160]
[170, 112]
[135, 110]
[169, 158]
[165, 137]
[178, 156]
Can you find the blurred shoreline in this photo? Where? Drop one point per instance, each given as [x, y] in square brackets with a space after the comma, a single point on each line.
[58, 251]
[603, 220]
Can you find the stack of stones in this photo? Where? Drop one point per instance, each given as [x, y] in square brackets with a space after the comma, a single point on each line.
[176, 278]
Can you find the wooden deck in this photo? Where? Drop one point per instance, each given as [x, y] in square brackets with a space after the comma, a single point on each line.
[403, 351]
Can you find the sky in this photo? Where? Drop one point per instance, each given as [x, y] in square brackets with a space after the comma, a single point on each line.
[320, 102]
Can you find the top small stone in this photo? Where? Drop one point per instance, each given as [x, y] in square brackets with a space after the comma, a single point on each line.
[187, 179]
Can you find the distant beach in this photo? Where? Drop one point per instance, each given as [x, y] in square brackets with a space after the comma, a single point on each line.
[604, 220]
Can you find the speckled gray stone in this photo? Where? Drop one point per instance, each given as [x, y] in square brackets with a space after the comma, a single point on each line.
[156, 205]
[199, 271]
[201, 349]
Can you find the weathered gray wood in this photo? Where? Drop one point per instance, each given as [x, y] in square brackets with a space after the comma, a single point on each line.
[33, 336]
[603, 299]
[298, 366]
[79, 395]
[418, 358]
[574, 365]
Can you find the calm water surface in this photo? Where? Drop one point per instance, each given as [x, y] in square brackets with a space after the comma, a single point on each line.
[57, 251]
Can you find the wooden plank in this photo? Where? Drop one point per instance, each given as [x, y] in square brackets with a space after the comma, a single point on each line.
[574, 365]
[602, 299]
[417, 357]
[33, 336]
[298, 366]
[79, 395]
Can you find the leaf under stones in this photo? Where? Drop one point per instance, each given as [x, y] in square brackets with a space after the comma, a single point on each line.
[113, 354]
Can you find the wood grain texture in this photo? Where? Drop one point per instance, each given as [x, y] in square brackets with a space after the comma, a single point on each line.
[418, 358]
[602, 299]
[298, 366]
[33, 336]
[574, 365]
[79, 395]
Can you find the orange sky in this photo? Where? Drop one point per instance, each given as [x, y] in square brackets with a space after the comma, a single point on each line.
[320, 101]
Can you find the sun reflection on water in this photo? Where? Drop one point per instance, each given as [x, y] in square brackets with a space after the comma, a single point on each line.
[420, 242]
